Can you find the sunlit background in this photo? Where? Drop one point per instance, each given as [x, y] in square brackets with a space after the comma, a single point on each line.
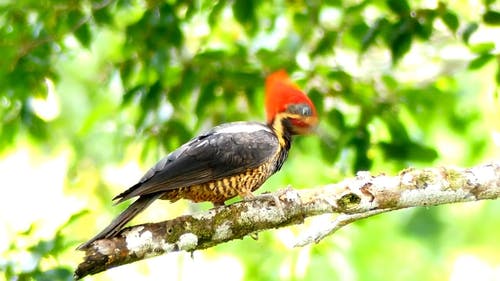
[93, 94]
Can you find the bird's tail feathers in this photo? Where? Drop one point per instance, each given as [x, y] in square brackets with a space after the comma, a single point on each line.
[119, 222]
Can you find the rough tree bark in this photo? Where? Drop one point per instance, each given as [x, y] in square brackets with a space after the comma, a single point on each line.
[353, 199]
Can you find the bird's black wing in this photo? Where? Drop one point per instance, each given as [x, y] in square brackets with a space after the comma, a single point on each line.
[225, 150]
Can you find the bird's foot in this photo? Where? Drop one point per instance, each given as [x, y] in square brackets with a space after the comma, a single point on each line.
[270, 196]
[275, 197]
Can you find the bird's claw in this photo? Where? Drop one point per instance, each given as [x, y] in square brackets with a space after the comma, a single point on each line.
[276, 198]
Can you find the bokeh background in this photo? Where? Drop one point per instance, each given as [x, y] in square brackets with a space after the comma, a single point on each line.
[92, 93]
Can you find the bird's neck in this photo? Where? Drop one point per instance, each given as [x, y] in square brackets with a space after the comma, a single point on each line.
[281, 128]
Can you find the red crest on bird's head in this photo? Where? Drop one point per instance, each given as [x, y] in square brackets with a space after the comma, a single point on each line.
[281, 93]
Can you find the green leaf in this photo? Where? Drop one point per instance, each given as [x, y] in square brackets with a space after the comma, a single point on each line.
[159, 60]
[83, 35]
[408, 150]
[241, 79]
[372, 33]
[400, 46]
[325, 45]
[330, 148]
[450, 19]
[361, 142]
[357, 32]
[469, 29]
[132, 93]
[497, 76]
[400, 7]
[303, 20]
[124, 4]
[336, 119]
[389, 81]
[344, 78]
[492, 17]
[482, 48]
[399, 37]
[397, 129]
[317, 99]
[175, 135]
[58, 273]
[211, 55]
[244, 13]
[424, 26]
[35, 125]
[9, 132]
[215, 12]
[170, 26]
[190, 79]
[418, 152]
[74, 217]
[127, 68]
[480, 61]
[73, 19]
[205, 98]
[102, 16]
[151, 99]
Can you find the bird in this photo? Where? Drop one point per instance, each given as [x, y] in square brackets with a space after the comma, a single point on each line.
[229, 160]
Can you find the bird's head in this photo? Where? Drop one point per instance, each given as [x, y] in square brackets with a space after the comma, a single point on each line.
[287, 104]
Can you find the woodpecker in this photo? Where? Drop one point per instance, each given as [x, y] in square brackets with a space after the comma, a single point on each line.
[229, 160]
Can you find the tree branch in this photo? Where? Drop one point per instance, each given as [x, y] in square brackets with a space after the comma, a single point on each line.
[353, 199]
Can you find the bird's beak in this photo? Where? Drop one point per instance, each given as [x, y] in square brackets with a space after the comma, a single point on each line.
[304, 125]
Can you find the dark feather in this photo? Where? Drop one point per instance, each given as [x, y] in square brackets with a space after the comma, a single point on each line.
[225, 150]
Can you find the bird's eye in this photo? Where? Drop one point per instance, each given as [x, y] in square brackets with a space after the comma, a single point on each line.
[300, 108]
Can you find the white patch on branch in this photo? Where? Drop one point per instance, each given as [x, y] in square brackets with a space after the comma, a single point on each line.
[187, 241]
[257, 212]
[222, 232]
[418, 197]
[136, 238]
[483, 175]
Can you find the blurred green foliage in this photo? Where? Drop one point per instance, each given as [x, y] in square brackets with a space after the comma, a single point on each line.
[397, 83]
